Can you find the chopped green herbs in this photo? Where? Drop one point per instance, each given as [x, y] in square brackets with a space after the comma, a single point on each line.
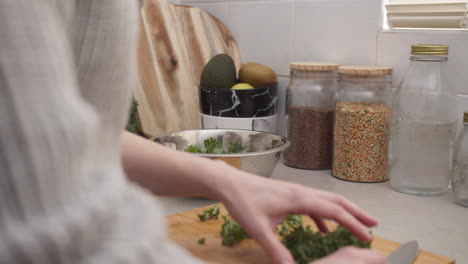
[232, 232]
[306, 245]
[194, 149]
[214, 146]
[201, 241]
[132, 125]
[234, 148]
[211, 213]
[289, 223]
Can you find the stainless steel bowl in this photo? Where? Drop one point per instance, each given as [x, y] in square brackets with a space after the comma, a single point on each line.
[262, 150]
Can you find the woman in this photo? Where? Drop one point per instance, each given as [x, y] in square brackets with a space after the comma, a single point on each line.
[66, 73]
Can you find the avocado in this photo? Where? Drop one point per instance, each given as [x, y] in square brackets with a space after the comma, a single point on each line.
[219, 73]
[258, 75]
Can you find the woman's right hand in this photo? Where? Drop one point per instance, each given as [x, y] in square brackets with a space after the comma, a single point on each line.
[353, 255]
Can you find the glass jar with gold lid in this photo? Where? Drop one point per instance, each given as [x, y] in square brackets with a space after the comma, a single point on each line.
[423, 124]
[459, 179]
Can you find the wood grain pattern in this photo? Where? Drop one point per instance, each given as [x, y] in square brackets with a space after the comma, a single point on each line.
[175, 43]
[185, 229]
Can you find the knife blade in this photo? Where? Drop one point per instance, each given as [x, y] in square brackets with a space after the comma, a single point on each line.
[405, 254]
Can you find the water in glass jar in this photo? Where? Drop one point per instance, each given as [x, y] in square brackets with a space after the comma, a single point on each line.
[460, 182]
[421, 156]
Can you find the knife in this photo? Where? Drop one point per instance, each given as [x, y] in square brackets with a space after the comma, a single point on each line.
[405, 254]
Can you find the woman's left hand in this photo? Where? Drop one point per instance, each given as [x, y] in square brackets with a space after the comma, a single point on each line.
[259, 204]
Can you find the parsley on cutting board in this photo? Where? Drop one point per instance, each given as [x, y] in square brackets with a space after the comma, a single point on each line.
[304, 244]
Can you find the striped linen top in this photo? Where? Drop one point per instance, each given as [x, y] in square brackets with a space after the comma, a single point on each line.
[67, 68]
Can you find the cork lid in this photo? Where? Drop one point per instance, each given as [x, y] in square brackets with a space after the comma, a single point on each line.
[365, 70]
[314, 66]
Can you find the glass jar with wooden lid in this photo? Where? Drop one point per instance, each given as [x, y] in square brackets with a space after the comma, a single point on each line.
[309, 113]
[362, 124]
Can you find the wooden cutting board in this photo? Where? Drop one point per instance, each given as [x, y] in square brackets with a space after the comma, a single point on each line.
[185, 229]
[175, 43]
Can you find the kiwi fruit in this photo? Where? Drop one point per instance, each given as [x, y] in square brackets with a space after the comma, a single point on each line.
[219, 73]
[258, 75]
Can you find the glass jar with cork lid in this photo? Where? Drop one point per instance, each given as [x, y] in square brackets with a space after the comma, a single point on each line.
[310, 107]
[362, 124]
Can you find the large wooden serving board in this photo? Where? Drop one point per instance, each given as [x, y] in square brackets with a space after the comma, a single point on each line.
[175, 44]
[185, 229]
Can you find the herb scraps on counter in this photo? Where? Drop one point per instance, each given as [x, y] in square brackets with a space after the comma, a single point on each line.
[202, 241]
[215, 146]
[304, 244]
[232, 232]
[211, 213]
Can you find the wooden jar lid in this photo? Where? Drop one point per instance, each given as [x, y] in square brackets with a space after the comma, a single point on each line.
[314, 66]
[365, 70]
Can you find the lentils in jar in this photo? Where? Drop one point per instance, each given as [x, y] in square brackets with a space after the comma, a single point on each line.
[362, 124]
[310, 114]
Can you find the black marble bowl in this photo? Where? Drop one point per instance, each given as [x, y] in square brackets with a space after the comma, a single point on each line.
[258, 102]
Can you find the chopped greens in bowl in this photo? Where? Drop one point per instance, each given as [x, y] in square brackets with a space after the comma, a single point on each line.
[214, 146]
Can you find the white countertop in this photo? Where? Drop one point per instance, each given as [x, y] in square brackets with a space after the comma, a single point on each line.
[439, 225]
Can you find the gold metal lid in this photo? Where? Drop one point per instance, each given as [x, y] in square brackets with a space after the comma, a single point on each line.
[365, 70]
[465, 117]
[429, 49]
[314, 66]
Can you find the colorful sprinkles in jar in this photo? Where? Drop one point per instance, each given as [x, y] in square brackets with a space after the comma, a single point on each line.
[361, 146]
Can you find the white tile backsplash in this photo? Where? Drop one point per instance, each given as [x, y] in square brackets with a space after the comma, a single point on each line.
[394, 49]
[219, 10]
[341, 31]
[276, 32]
[263, 31]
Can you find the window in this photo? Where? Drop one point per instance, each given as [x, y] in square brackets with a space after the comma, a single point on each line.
[427, 14]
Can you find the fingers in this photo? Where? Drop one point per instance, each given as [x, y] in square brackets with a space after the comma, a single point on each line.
[352, 255]
[351, 207]
[325, 205]
[263, 233]
[323, 208]
[320, 223]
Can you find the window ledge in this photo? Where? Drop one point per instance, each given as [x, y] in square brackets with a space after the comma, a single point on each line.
[425, 31]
